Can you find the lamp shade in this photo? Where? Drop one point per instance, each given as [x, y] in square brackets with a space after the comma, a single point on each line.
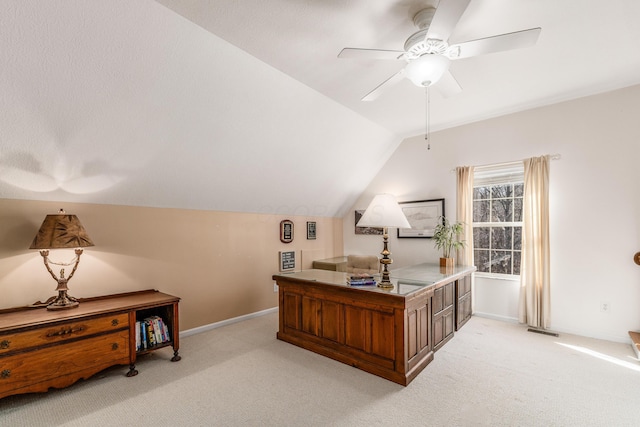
[427, 69]
[61, 231]
[384, 211]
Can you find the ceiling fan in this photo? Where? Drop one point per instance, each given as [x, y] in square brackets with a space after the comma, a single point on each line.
[428, 53]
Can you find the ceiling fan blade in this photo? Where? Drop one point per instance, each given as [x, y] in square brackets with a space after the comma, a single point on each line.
[374, 94]
[448, 85]
[349, 52]
[447, 15]
[516, 40]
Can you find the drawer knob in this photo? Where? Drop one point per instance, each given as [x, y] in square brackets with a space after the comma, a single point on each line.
[5, 373]
[4, 344]
[114, 346]
[114, 322]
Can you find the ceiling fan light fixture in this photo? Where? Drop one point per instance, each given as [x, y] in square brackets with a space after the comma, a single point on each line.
[427, 69]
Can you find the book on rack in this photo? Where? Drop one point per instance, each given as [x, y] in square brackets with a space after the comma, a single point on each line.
[162, 331]
[151, 335]
[138, 337]
[143, 336]
[151, 331]
[156, 329]
[166, 331]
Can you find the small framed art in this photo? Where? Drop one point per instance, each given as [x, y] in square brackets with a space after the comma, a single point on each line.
[365, 230]
[287, 260]
[423, 216]
[286, 231]
[311, 230]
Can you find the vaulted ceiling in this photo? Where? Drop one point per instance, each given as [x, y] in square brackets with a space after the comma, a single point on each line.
[585, 47]
[244, 105]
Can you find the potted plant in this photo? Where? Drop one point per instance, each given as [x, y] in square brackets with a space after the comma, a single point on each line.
[446, 236]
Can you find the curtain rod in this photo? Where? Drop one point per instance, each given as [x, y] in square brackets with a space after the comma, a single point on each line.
[513, 163]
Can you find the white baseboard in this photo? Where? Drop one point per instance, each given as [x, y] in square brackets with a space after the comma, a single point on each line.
[221, 323]
[625, 340]
[604, 337]
[496, 317]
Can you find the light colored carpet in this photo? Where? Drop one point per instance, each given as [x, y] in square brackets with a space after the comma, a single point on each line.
[491, 374]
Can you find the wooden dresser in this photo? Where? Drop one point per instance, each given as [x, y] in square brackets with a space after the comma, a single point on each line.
[41, 349]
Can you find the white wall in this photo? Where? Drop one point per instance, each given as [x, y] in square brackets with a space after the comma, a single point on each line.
[595, 204]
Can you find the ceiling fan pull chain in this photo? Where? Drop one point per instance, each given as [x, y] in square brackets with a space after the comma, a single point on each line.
[426, 128]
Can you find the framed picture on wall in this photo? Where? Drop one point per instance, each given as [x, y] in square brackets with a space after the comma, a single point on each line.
[287, 260]
[286, 231]
[423, 216]
[311, 230]
[365, 230]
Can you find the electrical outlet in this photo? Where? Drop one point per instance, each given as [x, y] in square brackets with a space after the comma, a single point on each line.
[275, 287]
[605, 307]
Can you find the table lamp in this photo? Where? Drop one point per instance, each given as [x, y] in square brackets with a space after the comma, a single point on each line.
[384, 212]
[61, 231]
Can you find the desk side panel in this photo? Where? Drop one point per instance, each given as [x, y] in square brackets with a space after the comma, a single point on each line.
[355, 328]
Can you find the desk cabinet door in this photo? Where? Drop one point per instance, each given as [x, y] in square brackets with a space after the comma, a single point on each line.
[463, 301]
[443, 314]
[418, 333]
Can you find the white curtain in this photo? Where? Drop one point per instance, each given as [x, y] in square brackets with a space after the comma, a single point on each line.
[534, 307]
[464, 212]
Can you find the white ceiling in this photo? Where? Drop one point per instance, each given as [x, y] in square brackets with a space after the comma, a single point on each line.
[586, 47]
[244, 106]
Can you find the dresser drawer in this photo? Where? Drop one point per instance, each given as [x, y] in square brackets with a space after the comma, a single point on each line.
[60, 332]
[62, 365]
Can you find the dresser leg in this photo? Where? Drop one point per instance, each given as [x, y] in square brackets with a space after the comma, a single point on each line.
[132, 371]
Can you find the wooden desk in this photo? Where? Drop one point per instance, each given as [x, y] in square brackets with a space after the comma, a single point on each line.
[332, 264]
[41, 349]
[392, 334]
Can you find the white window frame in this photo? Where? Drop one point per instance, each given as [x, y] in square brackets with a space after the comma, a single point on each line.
[506, 173]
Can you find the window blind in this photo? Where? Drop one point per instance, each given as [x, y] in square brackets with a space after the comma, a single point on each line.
[502, 173]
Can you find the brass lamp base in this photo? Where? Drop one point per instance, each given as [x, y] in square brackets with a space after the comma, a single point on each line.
[385, 282]
[385, 285]
[63, 302]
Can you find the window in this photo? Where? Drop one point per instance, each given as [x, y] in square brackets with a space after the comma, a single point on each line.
[497, 219]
